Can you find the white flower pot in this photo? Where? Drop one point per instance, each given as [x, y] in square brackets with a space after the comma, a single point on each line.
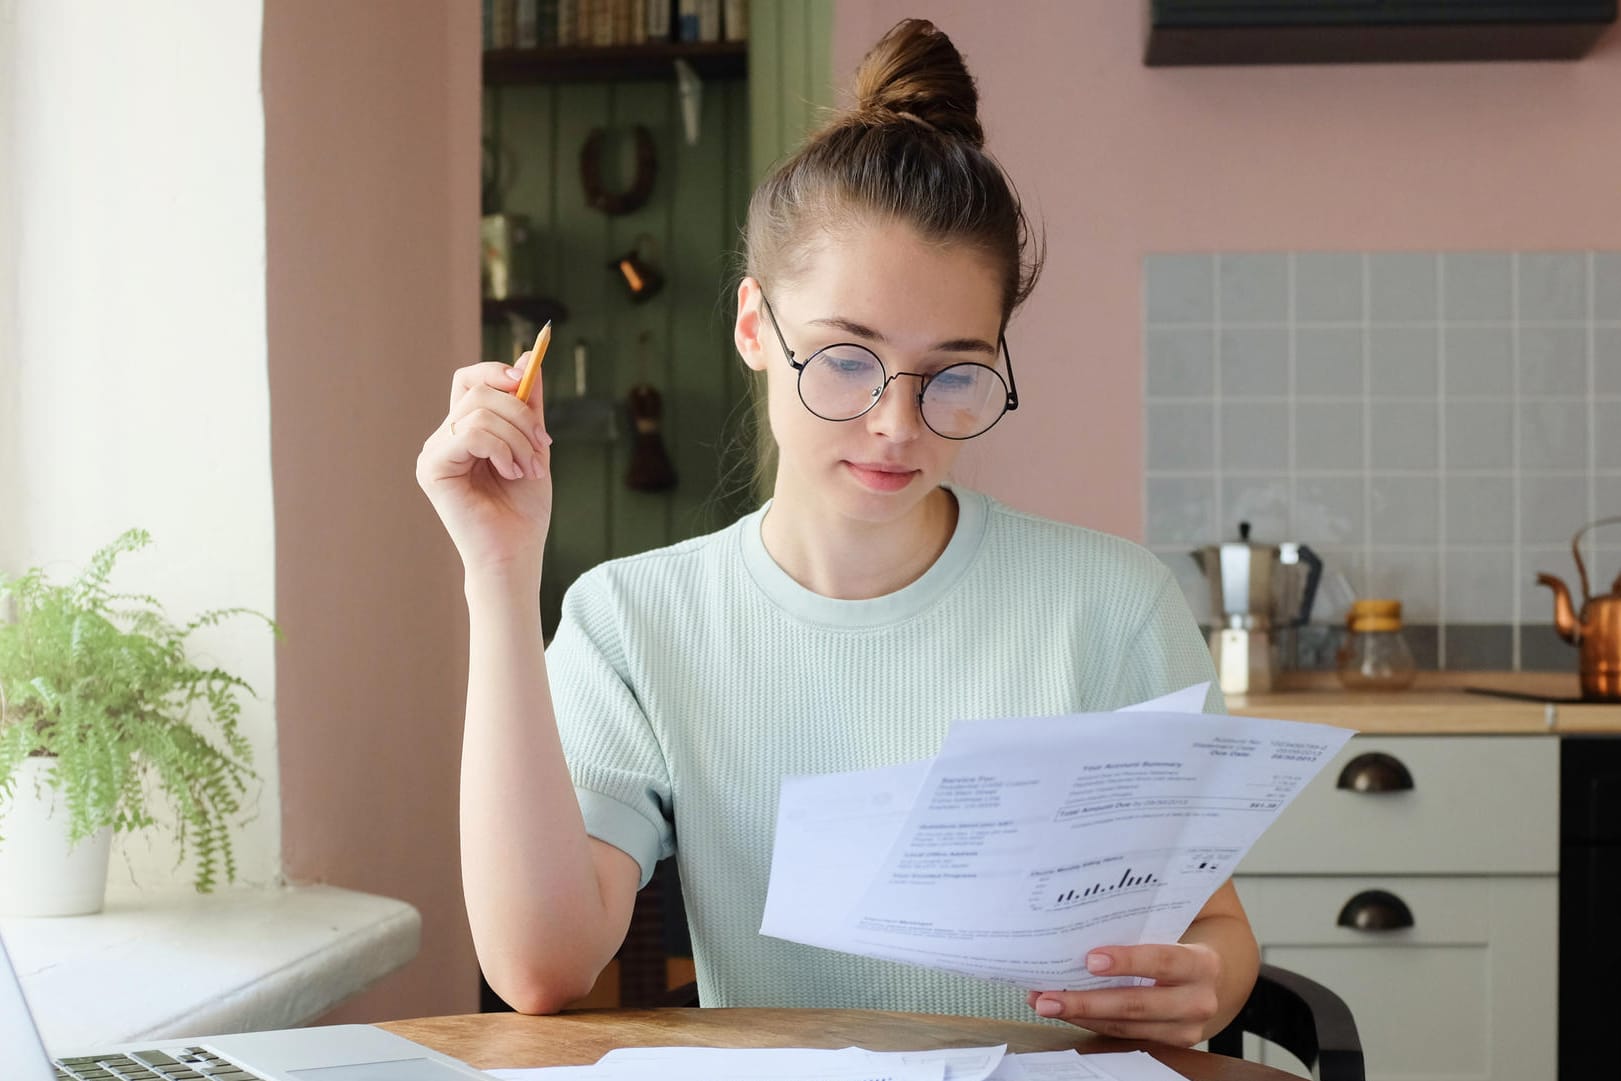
[40, 874]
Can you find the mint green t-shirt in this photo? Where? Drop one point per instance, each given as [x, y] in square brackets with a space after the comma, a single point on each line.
[690, 680]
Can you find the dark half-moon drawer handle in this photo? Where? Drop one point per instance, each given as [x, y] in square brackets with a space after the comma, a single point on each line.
[1375, 910]
[1375, 772]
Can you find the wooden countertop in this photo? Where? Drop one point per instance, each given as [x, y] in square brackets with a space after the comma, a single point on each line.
[1438, 703]
[492, 1041]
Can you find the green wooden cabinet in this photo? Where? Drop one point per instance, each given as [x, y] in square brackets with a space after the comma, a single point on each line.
[679, 340]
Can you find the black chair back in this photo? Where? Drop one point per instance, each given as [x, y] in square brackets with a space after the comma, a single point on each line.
[1303, 1017]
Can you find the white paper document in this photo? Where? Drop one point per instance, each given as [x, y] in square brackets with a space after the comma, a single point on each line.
[791, 1063]
[1073, 1066]
[1028, 842]
[851, 1064]
[707, 1063]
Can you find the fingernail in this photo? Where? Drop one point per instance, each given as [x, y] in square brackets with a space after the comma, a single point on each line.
[1098, 962]
[1048, 1007]
[516, 471]
[514, 373]
[542, 438]
[536, 467]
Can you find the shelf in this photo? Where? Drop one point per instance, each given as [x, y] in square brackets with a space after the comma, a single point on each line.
[534, 308]
[234, 961]
[575, 63]
[1199, 32]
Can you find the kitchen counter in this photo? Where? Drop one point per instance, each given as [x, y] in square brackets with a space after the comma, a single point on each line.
[1430, 847]
[1438, 703]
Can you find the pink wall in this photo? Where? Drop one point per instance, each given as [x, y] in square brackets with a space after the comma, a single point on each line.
[371, 158]
[1119, 160]
[371, 111]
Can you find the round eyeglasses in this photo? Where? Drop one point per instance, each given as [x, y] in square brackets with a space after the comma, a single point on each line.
[844, 381]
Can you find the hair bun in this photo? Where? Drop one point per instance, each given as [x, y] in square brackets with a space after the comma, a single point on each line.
[914, 73]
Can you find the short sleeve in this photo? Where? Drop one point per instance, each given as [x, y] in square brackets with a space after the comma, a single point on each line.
[1168, 652]
[620, 773]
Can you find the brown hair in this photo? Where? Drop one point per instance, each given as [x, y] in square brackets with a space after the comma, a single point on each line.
[910, 150]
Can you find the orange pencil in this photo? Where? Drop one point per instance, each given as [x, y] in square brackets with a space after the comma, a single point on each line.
[538, 354]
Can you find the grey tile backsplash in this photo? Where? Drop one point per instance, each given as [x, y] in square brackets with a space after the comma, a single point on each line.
[1435, 424]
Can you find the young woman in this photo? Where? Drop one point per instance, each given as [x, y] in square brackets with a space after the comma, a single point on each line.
[842, 626]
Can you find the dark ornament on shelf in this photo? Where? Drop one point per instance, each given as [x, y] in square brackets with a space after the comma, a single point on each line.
[495, 176]
[633, 197]
[650, 469]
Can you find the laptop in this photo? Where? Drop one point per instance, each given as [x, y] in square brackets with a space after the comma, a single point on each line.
[331, 1053]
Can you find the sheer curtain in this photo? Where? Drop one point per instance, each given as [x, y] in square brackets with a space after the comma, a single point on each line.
[8, 292]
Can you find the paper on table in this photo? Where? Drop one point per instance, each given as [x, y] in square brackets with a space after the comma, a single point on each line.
[1072, 1066]
[851, 1064]
[653, 1070]
[753, 1063]
[960, 1063]
[949, 1063]
[1030, 841]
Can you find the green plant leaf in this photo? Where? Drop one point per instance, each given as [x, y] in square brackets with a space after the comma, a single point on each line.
[103, 682]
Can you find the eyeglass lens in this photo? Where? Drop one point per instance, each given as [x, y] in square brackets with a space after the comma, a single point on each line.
[844, 381]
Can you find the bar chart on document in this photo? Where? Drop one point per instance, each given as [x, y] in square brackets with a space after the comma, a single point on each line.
[1130, 879]
[1095, 880]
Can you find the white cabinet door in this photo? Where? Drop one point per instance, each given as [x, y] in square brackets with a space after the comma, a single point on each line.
[1478, 805]
[1467, 993]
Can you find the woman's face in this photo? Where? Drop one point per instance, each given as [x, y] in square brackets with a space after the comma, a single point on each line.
[919, 307]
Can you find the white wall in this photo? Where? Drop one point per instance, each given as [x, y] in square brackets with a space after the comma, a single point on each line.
[8, 290]
[142, 383]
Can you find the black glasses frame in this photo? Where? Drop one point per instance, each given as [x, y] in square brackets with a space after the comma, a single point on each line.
[923, 379]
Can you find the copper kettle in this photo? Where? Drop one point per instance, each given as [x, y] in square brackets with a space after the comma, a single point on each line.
[1597, 631]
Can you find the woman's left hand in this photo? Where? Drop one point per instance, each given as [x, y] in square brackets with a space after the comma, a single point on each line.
[1175, 1010]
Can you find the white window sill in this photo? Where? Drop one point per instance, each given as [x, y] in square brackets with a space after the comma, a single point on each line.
[192, 965]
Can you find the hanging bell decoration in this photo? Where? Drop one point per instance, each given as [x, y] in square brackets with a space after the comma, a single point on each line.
[650, 469]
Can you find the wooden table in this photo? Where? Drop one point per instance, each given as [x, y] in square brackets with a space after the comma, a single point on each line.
[580, 1037]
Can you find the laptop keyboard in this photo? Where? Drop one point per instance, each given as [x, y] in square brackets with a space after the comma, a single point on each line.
[185, 1064]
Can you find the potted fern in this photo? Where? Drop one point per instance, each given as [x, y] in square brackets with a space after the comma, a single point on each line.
[104, 718]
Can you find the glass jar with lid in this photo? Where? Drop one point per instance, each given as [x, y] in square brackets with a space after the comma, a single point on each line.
[1375, 655]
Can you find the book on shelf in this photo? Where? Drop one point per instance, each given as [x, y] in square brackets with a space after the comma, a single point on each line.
[527, 22]
[629, 19]
[548, 20]
[735, 21]
[658, 19]
[532, 24]
[709, 20]
[595, 27]
[503, 24]
[568, 22]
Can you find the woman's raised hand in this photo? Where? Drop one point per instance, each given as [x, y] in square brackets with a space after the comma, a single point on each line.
[487, 469]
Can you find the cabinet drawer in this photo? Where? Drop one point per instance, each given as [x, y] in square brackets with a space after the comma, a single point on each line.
[1477, 805]
[1467, 992]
